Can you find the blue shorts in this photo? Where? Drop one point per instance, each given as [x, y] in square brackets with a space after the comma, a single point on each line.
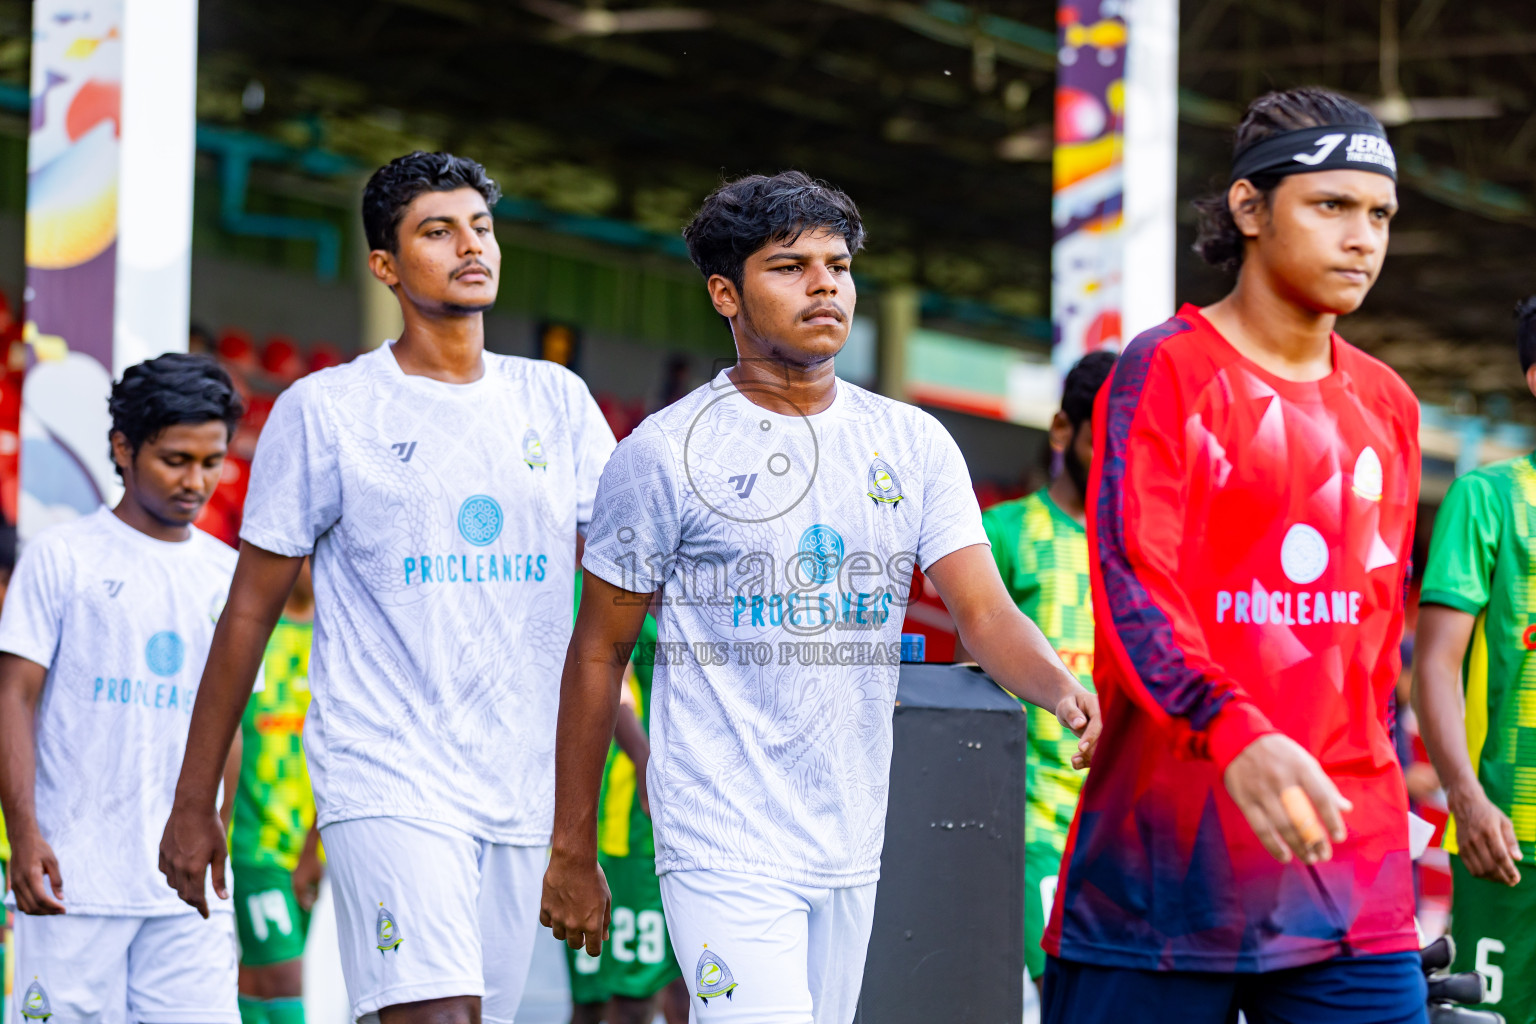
[1386, 989]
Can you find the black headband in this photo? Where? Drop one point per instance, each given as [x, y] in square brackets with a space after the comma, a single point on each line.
[1349, 147]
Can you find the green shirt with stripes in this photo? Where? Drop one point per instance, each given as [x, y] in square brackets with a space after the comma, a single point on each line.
[274, 805]
[1042, 555]
[1481, 563]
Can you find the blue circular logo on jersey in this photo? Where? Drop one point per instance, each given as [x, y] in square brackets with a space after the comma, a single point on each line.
[821, 552]
[165, 653]
[480, 520]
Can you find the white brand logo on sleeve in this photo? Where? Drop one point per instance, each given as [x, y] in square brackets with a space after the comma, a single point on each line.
[1325, 147]
[1303, 554]
[1367, 475]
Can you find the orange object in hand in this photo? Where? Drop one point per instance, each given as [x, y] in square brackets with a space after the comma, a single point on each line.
[1298, 807]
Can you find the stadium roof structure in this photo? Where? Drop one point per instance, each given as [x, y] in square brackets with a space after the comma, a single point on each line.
[935, 115]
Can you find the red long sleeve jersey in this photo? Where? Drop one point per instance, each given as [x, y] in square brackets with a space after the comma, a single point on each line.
[1249, 542]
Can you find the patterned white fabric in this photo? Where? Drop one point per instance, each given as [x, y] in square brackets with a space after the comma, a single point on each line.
[443, 520]
[123, 623]
[785, 547]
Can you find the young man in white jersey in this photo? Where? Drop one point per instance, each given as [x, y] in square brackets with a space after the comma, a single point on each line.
[440, 489]
[106, 627]
[780, 511]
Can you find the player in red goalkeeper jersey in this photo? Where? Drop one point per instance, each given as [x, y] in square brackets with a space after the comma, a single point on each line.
[1242, 839]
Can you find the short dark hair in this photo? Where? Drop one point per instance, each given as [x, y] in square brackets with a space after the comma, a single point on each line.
[742, 216]
[1525, 332]
[396, 185]
[1082, 385]
[1218, 240]
[167, 390]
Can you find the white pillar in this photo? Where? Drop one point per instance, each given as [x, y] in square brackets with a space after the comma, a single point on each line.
[154, 211]
[1151, 164]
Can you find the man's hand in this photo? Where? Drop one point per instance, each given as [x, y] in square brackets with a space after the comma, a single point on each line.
[577, 904]
[307, 874]
[35, 876]
[1484, 835]
[1079, 711]
[194, 840]
[1288, 799]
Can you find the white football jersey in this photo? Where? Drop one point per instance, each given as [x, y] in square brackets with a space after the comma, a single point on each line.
[123, 623]
[442, 519]
[784, 546]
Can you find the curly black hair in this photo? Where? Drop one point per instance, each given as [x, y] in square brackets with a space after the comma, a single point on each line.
[1525, 332]
[167, 390]
[1082, 385]
[1218, 241]
[742, 216]
[394, 186]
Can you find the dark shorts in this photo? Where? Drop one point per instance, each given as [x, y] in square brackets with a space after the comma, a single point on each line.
[1387, 989]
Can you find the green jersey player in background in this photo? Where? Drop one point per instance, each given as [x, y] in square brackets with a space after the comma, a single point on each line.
[1040, 546]
[1475, 631]
[622, 984]
[274, 846]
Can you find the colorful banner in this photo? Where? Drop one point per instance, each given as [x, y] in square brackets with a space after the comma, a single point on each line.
[71, 251]
[109, 230]
[1088, 178]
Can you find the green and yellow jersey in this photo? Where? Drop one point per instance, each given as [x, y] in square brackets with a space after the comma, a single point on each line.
[1481, 563]
[1042, 555]
[274, 805]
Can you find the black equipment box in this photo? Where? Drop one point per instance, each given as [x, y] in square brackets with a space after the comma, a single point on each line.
[948, 940]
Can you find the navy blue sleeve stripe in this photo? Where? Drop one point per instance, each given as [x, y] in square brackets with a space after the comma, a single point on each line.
[1143, 629]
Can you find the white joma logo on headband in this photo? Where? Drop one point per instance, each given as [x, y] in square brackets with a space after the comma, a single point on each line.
[1325, 146]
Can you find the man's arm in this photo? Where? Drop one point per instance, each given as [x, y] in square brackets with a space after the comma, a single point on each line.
[194, 838]
[35, 873]
[308, 872]
[231, 780]
[631, 738]
[1010, 647]
[576, 899]
[1484, 834]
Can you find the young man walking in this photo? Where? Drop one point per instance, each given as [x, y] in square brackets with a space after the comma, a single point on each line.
[1041, 551]
[439, 489]
[780, 511]
[1242, 840]
[106, 626]
[1475, 679]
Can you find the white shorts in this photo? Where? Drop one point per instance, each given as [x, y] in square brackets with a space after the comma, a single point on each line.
[424, 911]
[126, 970]
[757, 950]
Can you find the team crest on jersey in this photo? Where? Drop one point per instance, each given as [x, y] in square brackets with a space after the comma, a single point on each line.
[712, 979]
[883, 484]
[386, 933]
[35, 1005]
[533, 450]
